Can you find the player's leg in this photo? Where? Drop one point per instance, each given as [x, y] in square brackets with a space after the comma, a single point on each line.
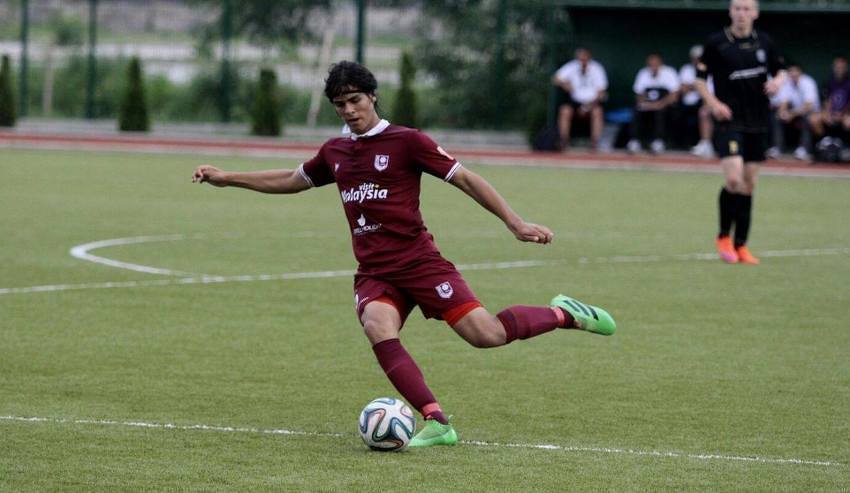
[745, 206]
[382, 310]
[597, 122]
[382, 322]
[565, 120]
[727, 146]
[728, 204]
[482, 329]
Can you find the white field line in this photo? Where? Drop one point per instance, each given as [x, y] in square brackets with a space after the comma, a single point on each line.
[476, 443]
[82, 252]
[809, 252]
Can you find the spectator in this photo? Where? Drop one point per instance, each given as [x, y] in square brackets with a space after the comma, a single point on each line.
[585, 82]
[693, 109]
[657, 90]
[834, 119]
[798, 100]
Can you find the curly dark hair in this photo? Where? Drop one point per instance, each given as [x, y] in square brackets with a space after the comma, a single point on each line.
[345, 76]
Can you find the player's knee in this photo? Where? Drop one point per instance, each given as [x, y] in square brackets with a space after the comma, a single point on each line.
[486, 340]
[377, 330]
[487, 334]
[566, 111]
[733, 184]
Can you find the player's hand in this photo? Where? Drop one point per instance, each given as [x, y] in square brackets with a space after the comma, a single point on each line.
[721, 111]
[206, 173]
[772, 86]
[533, 233]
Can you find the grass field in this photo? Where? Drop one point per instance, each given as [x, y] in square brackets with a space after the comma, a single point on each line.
[720, 377]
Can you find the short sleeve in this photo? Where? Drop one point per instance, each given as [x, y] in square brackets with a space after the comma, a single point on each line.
[603, 78]
[431, 158]
[775, 61]
[640, 83]
[810, 92]
[672, 77]
[564, 73]
[687, 74]
[316, 171]
[708, 61]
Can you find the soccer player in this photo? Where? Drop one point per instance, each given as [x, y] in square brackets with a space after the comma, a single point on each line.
[739, 58]
[377, 168]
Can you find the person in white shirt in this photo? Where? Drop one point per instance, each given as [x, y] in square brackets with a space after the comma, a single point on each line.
[586, 83]
[693, 108]
[797, 100]
[656, 89]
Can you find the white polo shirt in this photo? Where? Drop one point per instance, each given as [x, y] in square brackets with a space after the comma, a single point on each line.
[797, 95]
[655, 87]
[586, 84]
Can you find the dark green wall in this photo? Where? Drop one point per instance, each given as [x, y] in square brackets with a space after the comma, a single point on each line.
[621, 38]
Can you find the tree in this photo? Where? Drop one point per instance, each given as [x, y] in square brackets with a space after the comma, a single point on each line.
[265, 114]
[268, 23]
[465, 58]
[7, 94]
[67, 31]
[404, 110]
[133, 116]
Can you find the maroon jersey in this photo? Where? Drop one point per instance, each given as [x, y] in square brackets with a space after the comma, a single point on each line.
[378, 176]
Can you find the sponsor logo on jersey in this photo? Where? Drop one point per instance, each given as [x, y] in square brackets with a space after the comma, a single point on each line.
[749, 73]
[364, 192]
[444, 153]
[364, 228]
[445, 290]
[381, 162]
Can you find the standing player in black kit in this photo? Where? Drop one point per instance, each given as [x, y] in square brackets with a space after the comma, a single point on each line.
[739, 58]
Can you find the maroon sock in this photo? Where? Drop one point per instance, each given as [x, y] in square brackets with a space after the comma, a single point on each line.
[407, 379]
[523, 322]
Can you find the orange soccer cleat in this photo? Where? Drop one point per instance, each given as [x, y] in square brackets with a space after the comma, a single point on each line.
[726, 250]
[745, 257]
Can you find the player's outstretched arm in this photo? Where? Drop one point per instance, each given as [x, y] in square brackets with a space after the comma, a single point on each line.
[266, 181]
[479, 189]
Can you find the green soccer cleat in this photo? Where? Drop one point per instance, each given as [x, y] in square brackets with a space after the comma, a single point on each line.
[434, 433]
[587, 317]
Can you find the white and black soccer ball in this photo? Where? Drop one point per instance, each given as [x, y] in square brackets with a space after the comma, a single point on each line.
[387, 424]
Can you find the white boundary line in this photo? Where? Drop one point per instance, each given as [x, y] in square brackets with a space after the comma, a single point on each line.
[520, 264]
[476, 443]
[82, 252]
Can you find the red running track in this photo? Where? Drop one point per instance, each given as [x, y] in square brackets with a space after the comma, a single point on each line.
[304, 150]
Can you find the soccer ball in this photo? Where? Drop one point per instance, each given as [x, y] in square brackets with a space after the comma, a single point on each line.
[387, 424]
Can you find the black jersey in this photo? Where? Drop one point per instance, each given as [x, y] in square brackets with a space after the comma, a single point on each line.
[739, 67]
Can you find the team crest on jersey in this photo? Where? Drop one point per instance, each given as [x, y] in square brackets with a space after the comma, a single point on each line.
[445, 290]
[381, 162]
[336, 167]
[761, 56]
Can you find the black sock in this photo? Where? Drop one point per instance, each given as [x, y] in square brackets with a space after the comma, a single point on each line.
[742, 220]
[727, 203]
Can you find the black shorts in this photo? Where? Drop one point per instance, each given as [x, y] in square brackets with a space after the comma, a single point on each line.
[730, 142]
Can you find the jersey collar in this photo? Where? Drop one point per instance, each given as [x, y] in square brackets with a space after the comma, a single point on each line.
[380, 127]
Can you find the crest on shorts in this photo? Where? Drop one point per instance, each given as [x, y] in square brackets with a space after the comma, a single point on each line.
[733, 147]
[761, 56]
[445, 290]
[381, 162]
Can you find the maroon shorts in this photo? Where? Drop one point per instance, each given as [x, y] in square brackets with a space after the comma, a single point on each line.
[436, 286]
